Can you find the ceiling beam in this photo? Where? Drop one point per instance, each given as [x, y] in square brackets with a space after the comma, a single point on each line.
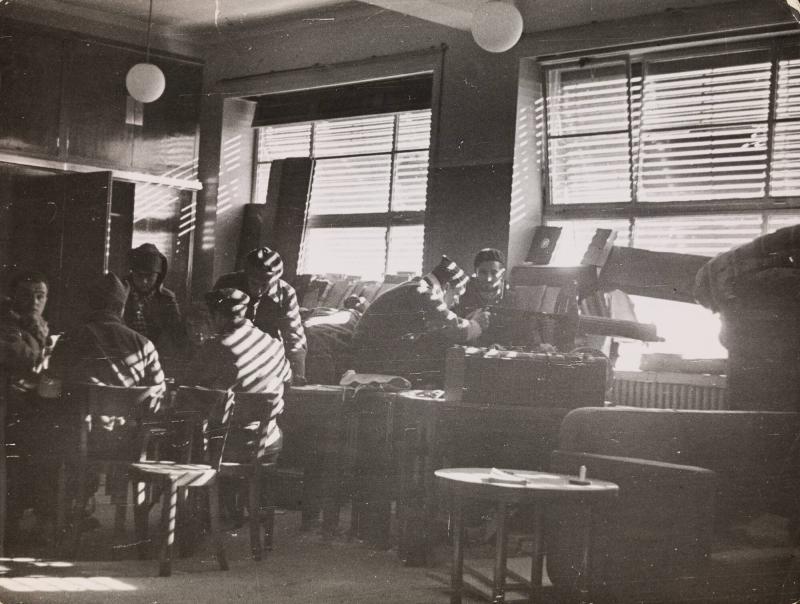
[452, 13]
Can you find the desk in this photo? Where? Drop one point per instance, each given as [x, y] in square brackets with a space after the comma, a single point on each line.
[539, 489]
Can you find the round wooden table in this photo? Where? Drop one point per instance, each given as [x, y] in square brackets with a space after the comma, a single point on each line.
[528, 487]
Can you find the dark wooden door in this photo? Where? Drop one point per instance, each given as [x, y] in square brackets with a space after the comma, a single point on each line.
[62, 227]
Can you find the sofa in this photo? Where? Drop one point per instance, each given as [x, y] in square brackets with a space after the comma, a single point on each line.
[706, 511]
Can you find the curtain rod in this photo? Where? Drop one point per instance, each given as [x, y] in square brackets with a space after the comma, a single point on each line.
[352, 62]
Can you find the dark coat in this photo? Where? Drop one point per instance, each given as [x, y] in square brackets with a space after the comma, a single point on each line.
[406, 331]
[160, 320]
[105, 351]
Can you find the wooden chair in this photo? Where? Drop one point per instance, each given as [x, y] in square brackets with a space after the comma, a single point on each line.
[249, 458]
[200, 420]
[114, 431]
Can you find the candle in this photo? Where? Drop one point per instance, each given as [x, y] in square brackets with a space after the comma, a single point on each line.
[582, 473]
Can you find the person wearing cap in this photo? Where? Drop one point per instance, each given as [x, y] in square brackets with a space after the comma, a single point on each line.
[273, 306]
[105, 350]
[407, 329]
[152, 309]
[487, 285]
[240, 358]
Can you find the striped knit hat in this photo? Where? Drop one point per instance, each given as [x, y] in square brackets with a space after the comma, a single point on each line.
[228, 302]
[266, 259]
[448, 271]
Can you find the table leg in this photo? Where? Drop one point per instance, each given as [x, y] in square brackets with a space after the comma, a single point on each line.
[458, 552]
[501, 554]
[583, 577]
[536, 557]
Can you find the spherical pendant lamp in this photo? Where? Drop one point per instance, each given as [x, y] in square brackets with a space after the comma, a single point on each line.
[496, 26]
[145, 81]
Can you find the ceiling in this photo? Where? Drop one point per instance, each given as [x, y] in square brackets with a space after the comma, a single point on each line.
[196, 16]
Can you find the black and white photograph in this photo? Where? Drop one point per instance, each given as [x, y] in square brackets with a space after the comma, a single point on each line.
[400, 301]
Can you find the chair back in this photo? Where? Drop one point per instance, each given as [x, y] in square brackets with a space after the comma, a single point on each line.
[201, 420]
[215, 406]
[254, 429]
[134, 402]
[114, 424]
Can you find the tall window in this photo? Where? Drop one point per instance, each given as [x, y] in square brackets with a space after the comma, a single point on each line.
[366, 208]
[693, 151]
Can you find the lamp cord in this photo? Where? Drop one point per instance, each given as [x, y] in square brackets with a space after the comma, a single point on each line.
[149, 25]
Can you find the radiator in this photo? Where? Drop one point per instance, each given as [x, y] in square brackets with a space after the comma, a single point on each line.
[665, 390]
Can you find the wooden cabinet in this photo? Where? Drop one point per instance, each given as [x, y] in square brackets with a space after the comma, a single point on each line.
[62, 227]
[64, 97]
[96, 102]
[166, 142]
[30, 91]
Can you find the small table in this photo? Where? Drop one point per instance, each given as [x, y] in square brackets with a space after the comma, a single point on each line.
[539, 489]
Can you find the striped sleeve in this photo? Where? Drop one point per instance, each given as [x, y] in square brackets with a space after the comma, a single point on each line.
[438, 316]
[291, 325]
[154, 375]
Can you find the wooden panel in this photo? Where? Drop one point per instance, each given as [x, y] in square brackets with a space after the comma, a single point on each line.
[166, 143]
[60, 228]
[96, 100]
[121, 228]
[84, 245]
[654, 274]
[30, 91]
[164, 216]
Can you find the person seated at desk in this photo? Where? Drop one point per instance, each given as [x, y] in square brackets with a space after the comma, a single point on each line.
[273, 306]
[24, 347]
[407, 329]
[487, 286]
[25, 343]
[151, 309]
[105, 350]
[240, 358]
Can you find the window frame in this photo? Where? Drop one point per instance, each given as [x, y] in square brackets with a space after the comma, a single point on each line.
[779, 45]
[386, 220]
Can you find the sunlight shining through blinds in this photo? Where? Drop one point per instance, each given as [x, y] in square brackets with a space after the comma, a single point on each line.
[702, 235]
[588, 138]
[280, 142]
[704, 128]
[786, 146]
[410, 185]
[350, 185]
[354, 136]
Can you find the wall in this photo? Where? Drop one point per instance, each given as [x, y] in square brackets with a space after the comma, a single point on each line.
[471, 168]
[479, 110]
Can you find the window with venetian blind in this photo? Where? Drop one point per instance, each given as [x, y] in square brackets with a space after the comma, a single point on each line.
[366, 207]
[692, 151]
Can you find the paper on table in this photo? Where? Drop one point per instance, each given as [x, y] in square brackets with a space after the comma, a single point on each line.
[496, 475]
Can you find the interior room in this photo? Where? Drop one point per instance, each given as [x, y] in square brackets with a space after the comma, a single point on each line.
[399, 300]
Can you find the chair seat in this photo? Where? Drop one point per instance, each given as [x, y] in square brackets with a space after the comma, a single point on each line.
[184, 475]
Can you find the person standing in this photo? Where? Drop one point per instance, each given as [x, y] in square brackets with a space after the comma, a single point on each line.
[152, 309]
[272, 306]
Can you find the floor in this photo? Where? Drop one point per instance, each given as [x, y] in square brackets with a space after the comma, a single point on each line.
[302, 568]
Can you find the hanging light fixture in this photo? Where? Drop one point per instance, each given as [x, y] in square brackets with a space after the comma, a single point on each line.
[145, 81]
[496, 25]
